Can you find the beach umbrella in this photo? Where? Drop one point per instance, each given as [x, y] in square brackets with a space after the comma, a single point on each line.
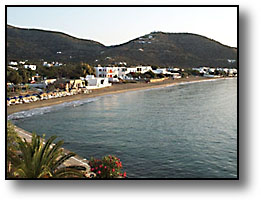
[15, 97]
[20, 96]
[27, 95]
[40, 93]
[8, 99]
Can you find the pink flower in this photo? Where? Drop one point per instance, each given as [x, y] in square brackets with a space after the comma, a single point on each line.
[113, 170]
[105, 167]
[124, 174]
[99, 172]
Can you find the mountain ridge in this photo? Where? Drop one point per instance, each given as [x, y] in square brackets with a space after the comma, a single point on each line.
[155, 48]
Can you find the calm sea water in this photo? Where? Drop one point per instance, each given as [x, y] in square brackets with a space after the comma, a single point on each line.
[183, 131]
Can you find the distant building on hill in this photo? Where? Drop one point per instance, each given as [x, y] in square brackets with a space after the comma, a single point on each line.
[13, 63]
[32, 67]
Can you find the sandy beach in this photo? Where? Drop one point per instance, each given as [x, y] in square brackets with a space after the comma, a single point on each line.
[115, 88]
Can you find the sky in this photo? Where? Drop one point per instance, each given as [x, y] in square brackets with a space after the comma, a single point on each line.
[116, 25]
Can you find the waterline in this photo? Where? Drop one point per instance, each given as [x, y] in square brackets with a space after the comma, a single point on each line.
[44, 110]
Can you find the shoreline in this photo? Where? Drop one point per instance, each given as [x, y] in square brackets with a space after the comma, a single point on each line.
[114, 89]
[78, 160]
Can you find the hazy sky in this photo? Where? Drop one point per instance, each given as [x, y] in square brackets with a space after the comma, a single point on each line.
[112, 25]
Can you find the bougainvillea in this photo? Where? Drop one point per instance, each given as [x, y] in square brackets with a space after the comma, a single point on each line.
[108, 167]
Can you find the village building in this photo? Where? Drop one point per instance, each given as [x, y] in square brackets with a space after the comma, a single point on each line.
[13, 63]
[14, 68]
[96, 82]
[49, 81]
[32, 67]
[119, 72]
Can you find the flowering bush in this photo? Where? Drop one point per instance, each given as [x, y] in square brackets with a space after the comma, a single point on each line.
[107, 167]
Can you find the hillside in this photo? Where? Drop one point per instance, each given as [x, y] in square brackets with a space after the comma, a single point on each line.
[33, 44]
[157, 48]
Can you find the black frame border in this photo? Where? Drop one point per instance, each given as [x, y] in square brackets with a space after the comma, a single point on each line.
[125, 179]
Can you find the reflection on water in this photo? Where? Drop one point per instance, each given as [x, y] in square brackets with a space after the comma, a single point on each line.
[179, 131]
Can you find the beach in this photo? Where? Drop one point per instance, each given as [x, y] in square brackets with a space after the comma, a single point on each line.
[148, 127]
[115, 88]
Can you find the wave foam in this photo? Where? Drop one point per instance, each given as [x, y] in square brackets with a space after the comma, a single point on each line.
[44, 110]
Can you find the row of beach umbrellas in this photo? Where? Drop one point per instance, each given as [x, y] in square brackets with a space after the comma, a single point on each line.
[36, 96]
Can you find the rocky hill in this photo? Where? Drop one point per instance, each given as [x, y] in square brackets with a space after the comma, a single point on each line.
[156, 48]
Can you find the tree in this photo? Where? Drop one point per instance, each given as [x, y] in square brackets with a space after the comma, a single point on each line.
[37, 159]
[150, 74]
[14, 77]
[25, 74]
[11, 148]
[87, 69]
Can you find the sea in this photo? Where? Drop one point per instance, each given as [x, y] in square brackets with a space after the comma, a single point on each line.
[181, 131]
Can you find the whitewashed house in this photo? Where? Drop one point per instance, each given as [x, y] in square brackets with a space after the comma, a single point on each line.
[143, 69]
[49, 81]
[231, 60]
[202, 70]
[106, 72]
[176, 75]
[96, 83]
[131, 69]
[211, 70]
[32, 67]
[162, 71]
[14, 68]
[232, 72]
[13, 63]
[46, 64]
[119, 72]
[138, 69]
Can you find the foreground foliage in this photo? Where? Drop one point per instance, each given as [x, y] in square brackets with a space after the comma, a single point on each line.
[37, 159]
[107, 167]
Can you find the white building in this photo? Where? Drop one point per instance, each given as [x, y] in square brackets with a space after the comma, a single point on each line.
[175, 69]
[138, 69]
[162, 71]
[231, 60]
[143, 69]
[106, 72]
[119, 72]
[95, 83]
[14, 68]
[46, 64]
[202, 70]
[211, 70]
[176, 76]
[13, 63]
[32, 67]
[232, 72]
